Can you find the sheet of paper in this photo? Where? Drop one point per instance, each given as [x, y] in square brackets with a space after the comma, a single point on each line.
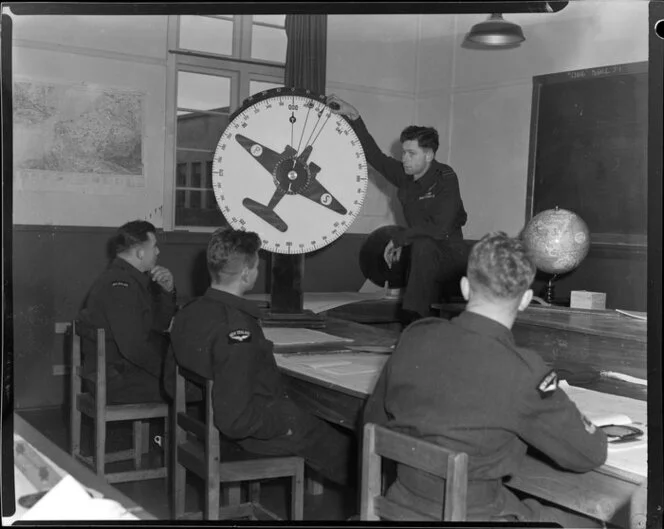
[69, 500]
[282, 336]
[104, 507]
[321, 301]
[630, 457]
[318, 302]
[352, 371]
[634, 314]
[613, 418]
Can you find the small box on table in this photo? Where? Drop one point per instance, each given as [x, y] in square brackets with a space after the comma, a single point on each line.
[584, 299]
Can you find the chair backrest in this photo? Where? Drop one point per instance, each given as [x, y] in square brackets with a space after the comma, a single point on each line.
[81, 330]
[380, 442]
[203, 462]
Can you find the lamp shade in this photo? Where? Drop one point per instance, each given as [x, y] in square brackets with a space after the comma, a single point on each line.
[496, 32]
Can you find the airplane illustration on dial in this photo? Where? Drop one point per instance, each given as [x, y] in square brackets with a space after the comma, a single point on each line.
[292, 174]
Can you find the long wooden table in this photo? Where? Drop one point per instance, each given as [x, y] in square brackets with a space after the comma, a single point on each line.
[57, 465]
[593, 341]
[603, 493]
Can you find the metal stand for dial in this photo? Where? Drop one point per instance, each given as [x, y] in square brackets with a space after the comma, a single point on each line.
[286, 295]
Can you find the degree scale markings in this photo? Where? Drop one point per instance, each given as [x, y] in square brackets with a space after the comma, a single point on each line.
[328, 147]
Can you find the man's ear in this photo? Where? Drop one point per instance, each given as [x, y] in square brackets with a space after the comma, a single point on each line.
[526, 299]
[140, 253]
[429, 155]
[465, 288]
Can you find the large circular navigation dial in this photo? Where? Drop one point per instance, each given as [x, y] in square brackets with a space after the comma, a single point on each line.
[289, 169]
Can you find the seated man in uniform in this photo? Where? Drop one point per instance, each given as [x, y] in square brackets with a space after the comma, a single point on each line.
[134, 300]
[465, 385]
[218, 335]
[429, 194]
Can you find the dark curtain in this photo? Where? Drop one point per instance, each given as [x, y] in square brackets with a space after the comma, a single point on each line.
[306, 52]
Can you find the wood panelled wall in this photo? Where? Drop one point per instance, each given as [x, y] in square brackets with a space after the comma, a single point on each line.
[54, 266]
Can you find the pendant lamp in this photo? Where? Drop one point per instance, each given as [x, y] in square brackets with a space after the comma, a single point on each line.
[496, 32]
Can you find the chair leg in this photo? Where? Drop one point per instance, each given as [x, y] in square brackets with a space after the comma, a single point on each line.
[211, 511]
[255, 491]
[138, 443]
[100, 448]
[147, 440]
[165, 447]
[297, 494]
[231, 494]
[314, 483]
[75, 430]
[165, 444]
[179, 483]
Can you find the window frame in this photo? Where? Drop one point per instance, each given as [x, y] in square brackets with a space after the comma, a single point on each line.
[240, 67]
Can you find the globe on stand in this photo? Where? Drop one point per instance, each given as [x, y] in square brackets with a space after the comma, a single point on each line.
[557, 240]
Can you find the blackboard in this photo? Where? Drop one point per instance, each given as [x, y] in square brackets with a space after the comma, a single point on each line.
[588, 149]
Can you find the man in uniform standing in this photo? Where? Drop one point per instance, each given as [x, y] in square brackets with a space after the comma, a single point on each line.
[218, 335]
[134, 300]
[429, 194]
[465, 385]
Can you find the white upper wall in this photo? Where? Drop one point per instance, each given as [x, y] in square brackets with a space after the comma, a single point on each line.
[143, 36]
[396, 69]
[492, 97]
[372, 62]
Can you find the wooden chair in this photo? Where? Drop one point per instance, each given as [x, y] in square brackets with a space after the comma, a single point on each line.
[197, 448]
[94, 406]
[379, 443]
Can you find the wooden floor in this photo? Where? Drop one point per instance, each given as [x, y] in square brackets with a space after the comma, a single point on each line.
[335, 504]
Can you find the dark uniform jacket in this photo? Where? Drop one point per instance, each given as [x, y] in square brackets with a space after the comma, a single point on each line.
[465, 385]
[219, 336]
[432, 204]
[135, 311]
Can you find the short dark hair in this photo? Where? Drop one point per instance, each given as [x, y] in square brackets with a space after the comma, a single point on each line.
[132, 234]
[427, 137]
[500, 266]
[230, 249]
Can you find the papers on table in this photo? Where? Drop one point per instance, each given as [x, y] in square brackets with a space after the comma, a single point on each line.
[292, 336]
[69, 500]
[622, 376]
[603, 408]
[615, 418]
[357, 372]
[643, 316]
[318, 302]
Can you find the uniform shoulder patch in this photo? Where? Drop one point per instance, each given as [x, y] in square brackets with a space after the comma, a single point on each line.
[239, 336]
[548, 384]
[122, 284]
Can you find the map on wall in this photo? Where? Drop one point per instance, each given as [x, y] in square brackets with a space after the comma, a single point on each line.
[77, 138]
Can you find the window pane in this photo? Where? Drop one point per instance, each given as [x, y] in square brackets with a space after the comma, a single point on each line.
[196, 174]
[210, 200]
[181, 175]
[194, 199]
[268, 44]
[208, 175]
[258, 86]
[203, 92]
[277, 20]
[199, 217]
[211, 35]
[200, 131]
[179, 199]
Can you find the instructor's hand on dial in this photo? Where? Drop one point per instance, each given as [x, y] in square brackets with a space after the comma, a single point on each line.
[339, 106]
